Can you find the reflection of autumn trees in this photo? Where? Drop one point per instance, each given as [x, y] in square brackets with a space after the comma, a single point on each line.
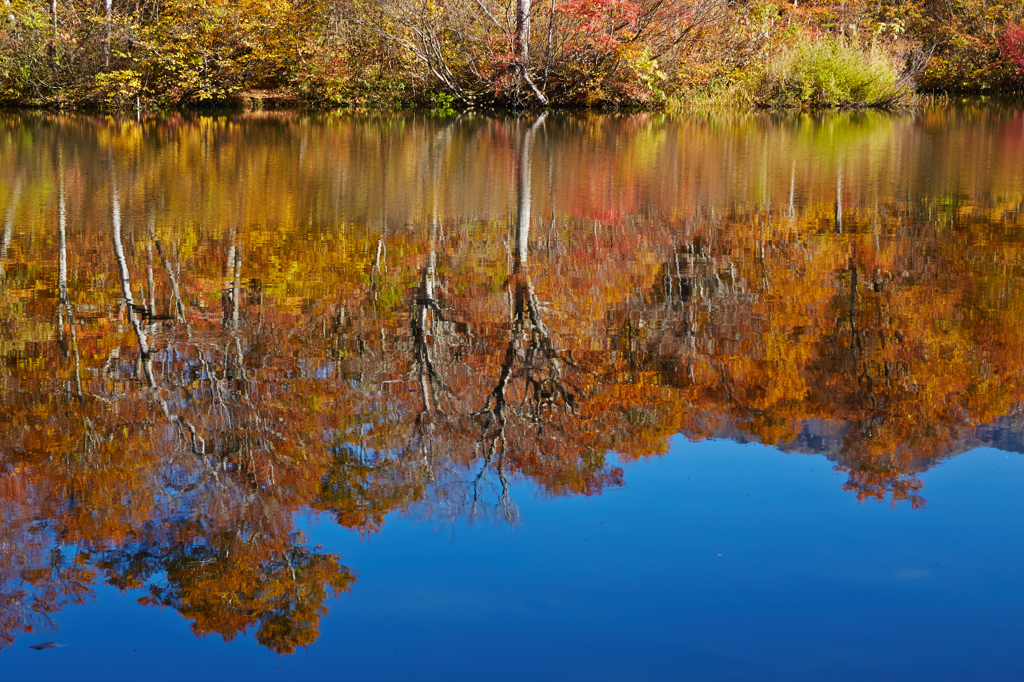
[529, 414]
[230, 581]
[899, 339]
[180, 378]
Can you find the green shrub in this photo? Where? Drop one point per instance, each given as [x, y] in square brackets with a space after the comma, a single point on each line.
[25, 36]
[831, 73]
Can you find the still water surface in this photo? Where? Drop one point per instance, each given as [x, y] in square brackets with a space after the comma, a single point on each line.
[506, 398]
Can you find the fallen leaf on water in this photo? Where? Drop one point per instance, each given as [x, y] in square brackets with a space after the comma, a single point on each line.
[45, 645]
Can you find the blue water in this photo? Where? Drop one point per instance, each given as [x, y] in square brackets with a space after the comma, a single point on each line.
[717, 561]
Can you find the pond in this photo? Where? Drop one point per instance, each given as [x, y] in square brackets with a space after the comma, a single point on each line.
[567, 396]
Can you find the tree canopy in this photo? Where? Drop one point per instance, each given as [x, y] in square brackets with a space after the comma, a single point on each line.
[165, 54]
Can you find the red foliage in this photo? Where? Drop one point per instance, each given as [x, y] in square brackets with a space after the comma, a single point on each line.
[1011, 44]
[601, 18]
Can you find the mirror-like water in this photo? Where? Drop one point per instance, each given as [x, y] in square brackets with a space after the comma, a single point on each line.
[497, 398]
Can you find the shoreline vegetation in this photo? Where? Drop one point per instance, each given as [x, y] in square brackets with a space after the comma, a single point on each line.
[158, 55]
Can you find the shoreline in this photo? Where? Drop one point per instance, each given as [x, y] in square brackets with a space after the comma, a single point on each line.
[248, 102]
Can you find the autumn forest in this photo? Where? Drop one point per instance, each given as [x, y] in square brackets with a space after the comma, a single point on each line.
[160, 55]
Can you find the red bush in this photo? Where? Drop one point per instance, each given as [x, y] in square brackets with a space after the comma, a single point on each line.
[1011, 44]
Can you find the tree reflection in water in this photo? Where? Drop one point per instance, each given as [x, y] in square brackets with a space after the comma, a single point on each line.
[192, 359]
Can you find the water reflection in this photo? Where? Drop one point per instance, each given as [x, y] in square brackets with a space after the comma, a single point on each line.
[211, 324]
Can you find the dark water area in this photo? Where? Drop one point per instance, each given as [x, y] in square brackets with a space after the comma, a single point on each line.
[474, 397]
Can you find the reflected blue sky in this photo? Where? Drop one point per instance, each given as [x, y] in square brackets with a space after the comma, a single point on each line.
[716, 561]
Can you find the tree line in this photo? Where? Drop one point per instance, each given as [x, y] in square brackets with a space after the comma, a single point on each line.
[457, 54]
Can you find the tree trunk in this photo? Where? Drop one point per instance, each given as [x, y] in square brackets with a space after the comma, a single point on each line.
[521, 40]
[109, 7]
[521, 48]
[53, 40]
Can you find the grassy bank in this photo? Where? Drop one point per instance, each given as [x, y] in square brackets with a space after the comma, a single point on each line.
[450, 54]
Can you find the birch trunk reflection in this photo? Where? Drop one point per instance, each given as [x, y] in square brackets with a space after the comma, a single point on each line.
[64, 305]
[530, 342]
[530, 354]
[131, 308]
[426, 317]
[186, 429]
[9, 216]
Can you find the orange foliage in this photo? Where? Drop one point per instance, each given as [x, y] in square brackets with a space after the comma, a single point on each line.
[377, 345]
